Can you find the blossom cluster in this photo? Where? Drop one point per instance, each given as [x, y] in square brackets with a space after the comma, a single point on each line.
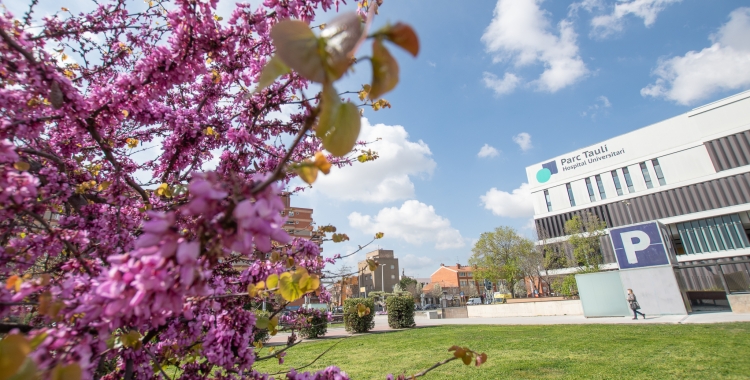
[119, 265]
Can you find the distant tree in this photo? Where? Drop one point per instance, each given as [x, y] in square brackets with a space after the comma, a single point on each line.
[406, 281]
[545, 256]
[497, 255]
[585, 232]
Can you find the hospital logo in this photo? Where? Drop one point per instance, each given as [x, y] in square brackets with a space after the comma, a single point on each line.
[546, 172]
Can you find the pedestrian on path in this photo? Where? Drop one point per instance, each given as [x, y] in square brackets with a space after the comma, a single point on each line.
[634, 305]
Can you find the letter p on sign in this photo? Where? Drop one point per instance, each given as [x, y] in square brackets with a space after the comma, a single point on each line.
[633, 241]
[639, 245]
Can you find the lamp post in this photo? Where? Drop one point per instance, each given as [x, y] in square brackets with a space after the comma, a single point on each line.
[382, 278]
[627, 206]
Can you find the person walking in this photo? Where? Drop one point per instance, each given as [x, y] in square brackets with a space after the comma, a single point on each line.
[634, 305]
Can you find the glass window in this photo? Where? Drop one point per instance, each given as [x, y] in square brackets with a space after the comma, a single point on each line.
[659, 173]
[393, 277]
[549, 202]
[393, 266]
[721, 233]
[646, 176]
[628, 180]
[618, 186]
[600, 185]
[570, 195]
[590, 188]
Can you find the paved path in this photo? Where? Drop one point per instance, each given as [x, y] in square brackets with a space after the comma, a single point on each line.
[381, 322]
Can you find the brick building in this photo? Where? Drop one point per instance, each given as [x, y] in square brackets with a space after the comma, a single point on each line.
[385, 277]
[453, 280]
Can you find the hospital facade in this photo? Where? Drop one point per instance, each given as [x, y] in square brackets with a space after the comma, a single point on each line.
[689, 175]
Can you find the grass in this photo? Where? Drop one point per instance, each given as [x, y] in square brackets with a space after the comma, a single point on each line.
[541, 352]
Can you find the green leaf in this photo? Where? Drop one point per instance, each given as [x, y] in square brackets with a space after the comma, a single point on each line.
[68, 372]
[343, 131]
[28, 371]
[289, 288]
[298, 47]
[274, 68]
[329, 106]
[402, 35]
[13, 351]
[342, 37]
[307, 173]
[384, 70]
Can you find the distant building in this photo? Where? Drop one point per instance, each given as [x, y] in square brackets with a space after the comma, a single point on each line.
[454, 280]
[384, 277]
[344, 288]
[299, 221]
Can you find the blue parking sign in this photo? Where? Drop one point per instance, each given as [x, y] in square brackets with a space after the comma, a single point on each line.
[639, 245]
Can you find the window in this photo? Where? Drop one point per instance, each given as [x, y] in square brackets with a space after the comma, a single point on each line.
[546, 198]
[469, 274]
[628, 180]
[393, 266]
[721, 233]
[393, 277]
[659, 173]
[646, 176]
[570, 195]
[600, 185]
[590, 188]
[618, 186]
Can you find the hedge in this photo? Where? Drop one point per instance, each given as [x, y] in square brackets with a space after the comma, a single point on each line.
[317, 323]
[352, 321]
[400, 311]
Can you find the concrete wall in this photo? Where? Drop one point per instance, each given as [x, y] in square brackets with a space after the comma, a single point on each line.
[456, 312]
[740, 303]
[526, 309]
[655, 288]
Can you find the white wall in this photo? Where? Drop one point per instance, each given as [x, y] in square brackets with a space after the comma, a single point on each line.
[526, 309]
[688, 130]
[686, 165]
[655, 289]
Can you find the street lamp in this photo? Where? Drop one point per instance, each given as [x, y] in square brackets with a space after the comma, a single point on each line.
[627, 206]
[382, 278]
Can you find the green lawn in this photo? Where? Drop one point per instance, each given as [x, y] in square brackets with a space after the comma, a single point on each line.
[541, 352]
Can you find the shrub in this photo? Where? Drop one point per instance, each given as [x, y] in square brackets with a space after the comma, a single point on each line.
[569, 287]
[352, 321]
[315, 323]
[400, 311]
[261, 335]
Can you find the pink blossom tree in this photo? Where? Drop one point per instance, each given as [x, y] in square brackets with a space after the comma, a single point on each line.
[115, 267]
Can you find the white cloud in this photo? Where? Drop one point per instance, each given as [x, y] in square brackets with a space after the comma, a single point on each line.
[520, 32]
[501, 86]
[488, 151]
[523, 140]
[698, 74]
[601, 104]
[433, 64]
[386, 179]
[606, 25]
[415, 222]
[516, 204]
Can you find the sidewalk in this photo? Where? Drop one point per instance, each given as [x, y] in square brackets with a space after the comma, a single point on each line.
[381, 322]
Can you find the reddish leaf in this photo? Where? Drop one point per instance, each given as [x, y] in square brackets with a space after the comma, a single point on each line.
[404, 36]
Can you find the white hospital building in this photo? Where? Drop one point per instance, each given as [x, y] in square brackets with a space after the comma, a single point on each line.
[689, 173]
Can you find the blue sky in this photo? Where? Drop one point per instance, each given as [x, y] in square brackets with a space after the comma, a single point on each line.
[518, 81]
[575, 73]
